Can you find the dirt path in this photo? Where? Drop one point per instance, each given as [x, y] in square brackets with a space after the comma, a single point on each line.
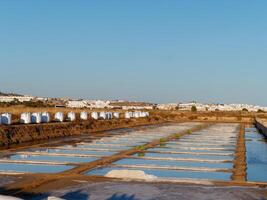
[240, 165]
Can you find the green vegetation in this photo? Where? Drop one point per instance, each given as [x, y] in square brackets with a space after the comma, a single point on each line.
[162, 144]
[140, 148]
[199, 126]
[141, 154]
[177, 136]
[162, 140]
[194, 108]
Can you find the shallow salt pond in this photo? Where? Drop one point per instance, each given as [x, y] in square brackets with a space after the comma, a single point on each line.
[256, 147]
[189, 156]
[190, 150]
[32, 168]
[199, 144]
[103, 146]
[65, 159]
[130, 161]
[206, 154]
[84, 149]
[75, 151]
[169, 174]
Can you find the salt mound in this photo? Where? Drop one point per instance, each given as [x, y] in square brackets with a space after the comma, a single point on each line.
[130, 174]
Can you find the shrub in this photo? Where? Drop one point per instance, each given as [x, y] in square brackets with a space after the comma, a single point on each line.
[177, 136]
[141, 148]
[194, 109]
[162, 144]
[141, 154]
[162, 140]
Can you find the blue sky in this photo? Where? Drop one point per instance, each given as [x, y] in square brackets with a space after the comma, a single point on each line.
[146, 50]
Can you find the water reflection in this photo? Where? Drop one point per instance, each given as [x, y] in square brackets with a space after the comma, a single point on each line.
[256, 146]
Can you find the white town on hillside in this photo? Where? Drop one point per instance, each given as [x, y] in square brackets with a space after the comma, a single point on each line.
[67, 102]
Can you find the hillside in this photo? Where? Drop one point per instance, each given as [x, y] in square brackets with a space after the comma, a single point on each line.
[10, 94]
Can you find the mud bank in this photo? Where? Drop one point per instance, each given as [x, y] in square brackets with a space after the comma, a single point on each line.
[18, 134]
[261, 126]
[240, 164]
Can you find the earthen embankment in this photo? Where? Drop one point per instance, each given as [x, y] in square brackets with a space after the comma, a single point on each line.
[17, 134]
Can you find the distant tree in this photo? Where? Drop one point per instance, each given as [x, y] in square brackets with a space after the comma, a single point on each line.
[194, 108]
[245, 110]
[260, 111]
[16, 100]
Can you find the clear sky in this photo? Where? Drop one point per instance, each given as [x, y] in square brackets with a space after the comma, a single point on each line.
[147, 50]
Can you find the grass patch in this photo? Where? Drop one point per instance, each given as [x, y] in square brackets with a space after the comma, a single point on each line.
[177, 136]
[141, 154]
[162, 144]
[162, 140]
[141, 147]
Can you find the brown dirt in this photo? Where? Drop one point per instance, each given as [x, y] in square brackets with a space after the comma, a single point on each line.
[18, 134]
[240, 166]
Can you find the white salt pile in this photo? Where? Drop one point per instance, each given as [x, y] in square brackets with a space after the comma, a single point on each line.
[130, 174]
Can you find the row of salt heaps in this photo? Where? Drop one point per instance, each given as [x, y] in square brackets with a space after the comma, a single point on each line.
[35, 118]
[136, 114]
[5, 118]
[59, 116]
[105, 115]
[44, 117]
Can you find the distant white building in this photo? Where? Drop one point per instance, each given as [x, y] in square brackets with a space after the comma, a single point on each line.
[169, 106]
[137, 107]
[13, 98]
[88, 104]
[76, 104]
[98, 104]
[221, 107]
